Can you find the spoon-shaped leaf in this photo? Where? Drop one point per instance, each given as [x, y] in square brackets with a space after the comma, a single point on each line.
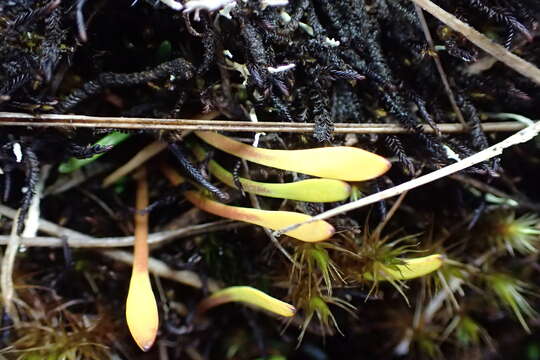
[312, 232]
[410, 269]
[340, 162]
[141, 308]
[247, 295]
[312, 190]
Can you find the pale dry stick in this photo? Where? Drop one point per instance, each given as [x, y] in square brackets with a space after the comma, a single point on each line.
[438, 65]
[145, 154]
[155, 239]
[485, 188]
[30, 228]
[69, 181]
[47, 226]
[53, 120]
[32, 217]
[523, 136]
[159, 268]
[425, 317]
[520, 65]
[6, 274]
[155, 266]
[78, 240]
[140, 158]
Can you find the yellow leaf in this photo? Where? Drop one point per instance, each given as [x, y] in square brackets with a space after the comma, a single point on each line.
[248, 295]
[339, 162]
[410, 269]
[312, 190]
[141, 310]
[316, 231]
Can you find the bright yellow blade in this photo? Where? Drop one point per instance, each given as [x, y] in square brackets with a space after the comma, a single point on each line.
[141, 310]
[412, 268]
[248, 295]
[311, 190]
[340, 162]
[316, 231]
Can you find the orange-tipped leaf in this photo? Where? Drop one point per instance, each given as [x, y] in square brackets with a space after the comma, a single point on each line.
[316, 231]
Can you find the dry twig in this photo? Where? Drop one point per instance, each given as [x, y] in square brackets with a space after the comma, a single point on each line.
[523, 136]
[54, 120]
[155, 266]
[520, 65]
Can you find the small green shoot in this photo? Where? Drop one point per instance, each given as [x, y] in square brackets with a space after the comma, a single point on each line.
[510, 292]
[468, 332]
[311, 260]
[317, 306]
[514, 234]
[109, 140]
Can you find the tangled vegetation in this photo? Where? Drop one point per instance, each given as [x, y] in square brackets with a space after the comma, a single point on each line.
[449, 270]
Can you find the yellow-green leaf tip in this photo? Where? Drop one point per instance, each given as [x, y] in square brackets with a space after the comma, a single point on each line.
[340, 162]
[409, 269]
[248, 295]
[310, 190]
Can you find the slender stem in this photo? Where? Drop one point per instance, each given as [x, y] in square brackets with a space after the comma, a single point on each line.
[438, 64]
[78, 121]
[140, 253]
[155, 266]
[523, 136]
[140, 158]
[520, 65]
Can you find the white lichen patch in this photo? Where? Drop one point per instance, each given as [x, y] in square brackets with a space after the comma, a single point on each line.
[209, 5]
[281, 68]
[266, 3]
[173, 4]
[331, 42]
[17, 151]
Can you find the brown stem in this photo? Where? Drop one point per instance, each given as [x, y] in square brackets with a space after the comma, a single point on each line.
[76, 121]
[140, 254]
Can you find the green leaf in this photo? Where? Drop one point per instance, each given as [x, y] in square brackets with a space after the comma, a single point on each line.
[111, 139]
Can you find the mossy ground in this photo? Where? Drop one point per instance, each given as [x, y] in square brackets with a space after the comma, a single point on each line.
[355, 62]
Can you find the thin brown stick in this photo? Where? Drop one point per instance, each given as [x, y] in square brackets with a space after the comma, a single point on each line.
[520, 65]
[523, 136]
[19, 119]
[159, 268]
[140, 158]
[154, 239]
[141, 251]
[438, 64]
[79, 240]
[155, 266]
[147, 153]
